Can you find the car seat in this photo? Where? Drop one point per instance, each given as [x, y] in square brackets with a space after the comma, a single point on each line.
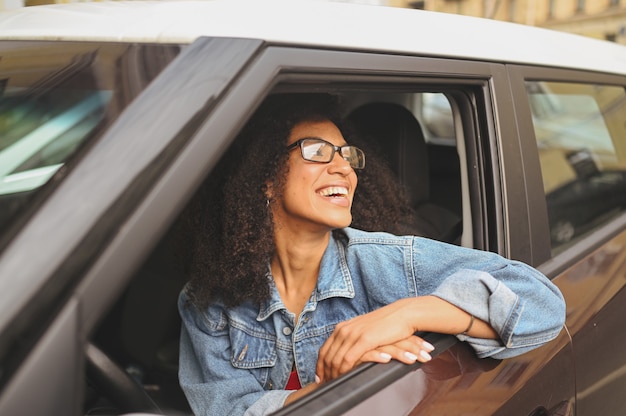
[397, 134]
[139, 339]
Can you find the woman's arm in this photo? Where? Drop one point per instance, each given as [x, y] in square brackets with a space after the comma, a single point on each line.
[387, 333]
[515, 307]
[301, 393]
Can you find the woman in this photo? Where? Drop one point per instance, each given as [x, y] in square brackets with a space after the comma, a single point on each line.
[284, 294]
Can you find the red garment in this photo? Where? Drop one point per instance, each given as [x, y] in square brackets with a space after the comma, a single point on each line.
[293, 383]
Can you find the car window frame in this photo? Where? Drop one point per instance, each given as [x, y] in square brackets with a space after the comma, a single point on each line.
[497, 153]
[294, 65]
[280, 66]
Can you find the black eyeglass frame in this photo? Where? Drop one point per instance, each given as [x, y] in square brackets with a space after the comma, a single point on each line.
[300, 143]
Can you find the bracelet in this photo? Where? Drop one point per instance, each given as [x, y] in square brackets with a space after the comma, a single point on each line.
[469, 326]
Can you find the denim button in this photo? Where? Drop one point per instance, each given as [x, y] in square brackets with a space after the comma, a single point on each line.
[287, 331]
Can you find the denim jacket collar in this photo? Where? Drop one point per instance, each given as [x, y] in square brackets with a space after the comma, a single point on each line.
[334, 280]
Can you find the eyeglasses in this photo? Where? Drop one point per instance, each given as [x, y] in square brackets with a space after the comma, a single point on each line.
[320, 151]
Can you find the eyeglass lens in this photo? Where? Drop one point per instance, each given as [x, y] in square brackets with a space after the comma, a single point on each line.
[321, 151]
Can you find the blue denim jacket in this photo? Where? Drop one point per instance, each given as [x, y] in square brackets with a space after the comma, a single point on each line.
[237, 361]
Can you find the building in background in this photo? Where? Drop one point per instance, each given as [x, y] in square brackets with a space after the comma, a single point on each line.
[601, 19]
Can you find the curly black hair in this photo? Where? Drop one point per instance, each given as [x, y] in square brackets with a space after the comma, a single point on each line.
[232, 238]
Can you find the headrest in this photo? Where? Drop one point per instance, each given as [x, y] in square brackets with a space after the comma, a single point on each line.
[397, 134]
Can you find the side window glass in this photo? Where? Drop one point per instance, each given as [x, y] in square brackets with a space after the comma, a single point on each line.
[581, 137]
[39, 133]
[56, 97]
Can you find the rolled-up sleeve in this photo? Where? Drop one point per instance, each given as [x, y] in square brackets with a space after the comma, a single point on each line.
[210, 383]
[522, 305]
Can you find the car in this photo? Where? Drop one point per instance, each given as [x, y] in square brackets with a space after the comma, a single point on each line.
[114, 115]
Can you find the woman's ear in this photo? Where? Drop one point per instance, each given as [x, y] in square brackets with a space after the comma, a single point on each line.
[268, 190]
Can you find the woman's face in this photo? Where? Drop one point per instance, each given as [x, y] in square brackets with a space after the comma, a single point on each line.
[317, 196]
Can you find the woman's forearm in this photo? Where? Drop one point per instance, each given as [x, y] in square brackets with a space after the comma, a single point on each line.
[300, 393]
[433, 314]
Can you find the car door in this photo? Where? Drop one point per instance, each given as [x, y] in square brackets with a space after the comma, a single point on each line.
[574, 126]
[69, 247]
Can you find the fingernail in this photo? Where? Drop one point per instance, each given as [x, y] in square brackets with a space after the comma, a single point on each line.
[428, 346]
[410, 356]
[385, 356]
[317, 379]
[426, 356]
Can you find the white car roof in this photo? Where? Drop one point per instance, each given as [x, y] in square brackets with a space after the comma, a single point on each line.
[314, 23]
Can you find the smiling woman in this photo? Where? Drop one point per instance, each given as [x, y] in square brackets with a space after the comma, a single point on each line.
[317, 194]
[285, 295]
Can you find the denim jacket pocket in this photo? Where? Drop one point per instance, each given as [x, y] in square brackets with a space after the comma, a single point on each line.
[255, 353]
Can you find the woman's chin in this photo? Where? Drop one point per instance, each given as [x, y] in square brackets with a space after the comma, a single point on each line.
[341, 223]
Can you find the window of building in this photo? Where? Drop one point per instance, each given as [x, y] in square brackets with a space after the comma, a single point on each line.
[512, 10]
[551, 8]
[580, 6]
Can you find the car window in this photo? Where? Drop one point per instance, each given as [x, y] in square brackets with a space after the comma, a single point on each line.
[581, 137]
[436, 115]
[40, 133]
[55, 98]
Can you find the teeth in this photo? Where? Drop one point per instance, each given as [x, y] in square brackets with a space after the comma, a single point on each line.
[335, 190]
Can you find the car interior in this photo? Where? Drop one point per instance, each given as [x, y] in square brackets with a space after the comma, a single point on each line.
[132, 359]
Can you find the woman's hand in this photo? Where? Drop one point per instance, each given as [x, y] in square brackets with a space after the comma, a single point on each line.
[387, 333]
[407, 351]
[378, 336]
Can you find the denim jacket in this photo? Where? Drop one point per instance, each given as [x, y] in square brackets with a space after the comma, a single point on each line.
[237, 361]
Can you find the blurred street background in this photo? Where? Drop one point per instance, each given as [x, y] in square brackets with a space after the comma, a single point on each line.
[601, 19]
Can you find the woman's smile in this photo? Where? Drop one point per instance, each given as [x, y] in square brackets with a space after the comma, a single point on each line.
[336, 194]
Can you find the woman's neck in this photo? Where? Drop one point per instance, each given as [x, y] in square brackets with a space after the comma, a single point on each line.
[296, 265]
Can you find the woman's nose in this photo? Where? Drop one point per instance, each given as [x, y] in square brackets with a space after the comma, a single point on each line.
[339, 165]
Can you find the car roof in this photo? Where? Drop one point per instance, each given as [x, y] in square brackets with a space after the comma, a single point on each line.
[315, 23]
